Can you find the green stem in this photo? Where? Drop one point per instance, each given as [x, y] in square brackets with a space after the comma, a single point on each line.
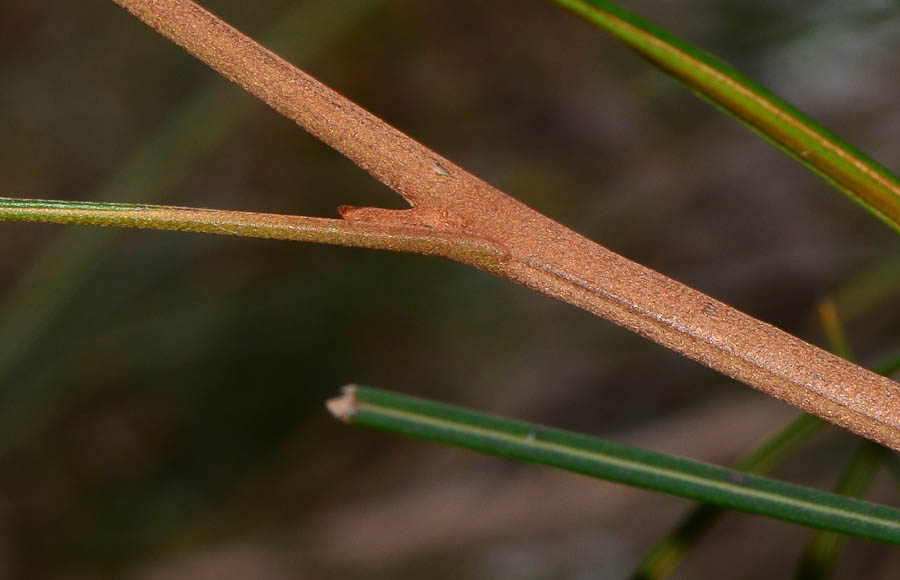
[374, 235]
[858, 176]
[632, 466]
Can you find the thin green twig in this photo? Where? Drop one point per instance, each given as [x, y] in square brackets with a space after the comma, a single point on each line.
[423, 240]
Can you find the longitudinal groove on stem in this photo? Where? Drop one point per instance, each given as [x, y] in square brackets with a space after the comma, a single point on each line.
[541, 254]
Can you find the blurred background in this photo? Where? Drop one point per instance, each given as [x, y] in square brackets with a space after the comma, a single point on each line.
[161, 394]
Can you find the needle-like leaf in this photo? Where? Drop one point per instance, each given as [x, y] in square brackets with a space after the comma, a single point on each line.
[861, 178]
[637, 467]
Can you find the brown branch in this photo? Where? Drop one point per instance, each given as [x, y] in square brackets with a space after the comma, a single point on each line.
[541, 254]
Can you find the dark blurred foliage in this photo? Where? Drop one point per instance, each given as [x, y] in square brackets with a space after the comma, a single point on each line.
[161, 394]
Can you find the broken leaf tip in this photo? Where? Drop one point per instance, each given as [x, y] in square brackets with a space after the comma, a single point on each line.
[345, 406]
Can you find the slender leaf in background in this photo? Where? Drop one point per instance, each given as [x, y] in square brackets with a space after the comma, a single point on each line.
[189, 135]
[861, 178]
[669, 552]
[834, 329]
[876, 288]
[824, 548]
[632, 466]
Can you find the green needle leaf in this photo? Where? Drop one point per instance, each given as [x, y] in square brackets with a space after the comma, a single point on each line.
[821, 555]
[632, 466]
[861, 178]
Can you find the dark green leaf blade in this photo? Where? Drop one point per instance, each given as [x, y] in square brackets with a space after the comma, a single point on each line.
[603, 459]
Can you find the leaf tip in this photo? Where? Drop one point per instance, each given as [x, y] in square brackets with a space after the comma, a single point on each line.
[345, 406]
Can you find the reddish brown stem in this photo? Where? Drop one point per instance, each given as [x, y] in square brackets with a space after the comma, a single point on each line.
[541, 254]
